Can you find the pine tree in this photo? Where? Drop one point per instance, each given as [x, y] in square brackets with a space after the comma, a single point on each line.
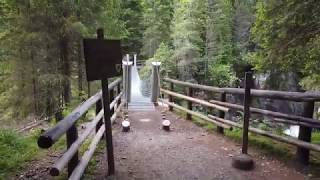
[156, 19]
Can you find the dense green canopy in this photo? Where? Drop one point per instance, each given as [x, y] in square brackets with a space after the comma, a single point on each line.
[207, 41]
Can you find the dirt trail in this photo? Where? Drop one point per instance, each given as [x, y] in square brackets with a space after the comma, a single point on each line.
[186, 152]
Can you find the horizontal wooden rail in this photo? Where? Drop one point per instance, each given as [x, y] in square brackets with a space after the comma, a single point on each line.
[202, 102]
[196, 114]
[47, 139]
[283, 95]
[290, 119]
[294, 119]
[288, 140]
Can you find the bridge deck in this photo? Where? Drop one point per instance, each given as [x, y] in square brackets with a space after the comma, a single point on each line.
[187, 152]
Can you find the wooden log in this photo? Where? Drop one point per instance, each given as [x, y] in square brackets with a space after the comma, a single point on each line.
[274, 114]
[66, 157]
[30, 126]
[305, 134]
[199, 101]
[288, 140]
[283, 95]
[297, 123]
[196, 114]
[79, 170]
[189, 105]
[221, 113]
[48, 138]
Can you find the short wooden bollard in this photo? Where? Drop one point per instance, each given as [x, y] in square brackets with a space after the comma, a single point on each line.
[244, 161]
[165, 123]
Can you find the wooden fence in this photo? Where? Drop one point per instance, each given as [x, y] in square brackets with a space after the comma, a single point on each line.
[305, 121]
[68, 126]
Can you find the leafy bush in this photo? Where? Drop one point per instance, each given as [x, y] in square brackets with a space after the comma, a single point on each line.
[222, 75]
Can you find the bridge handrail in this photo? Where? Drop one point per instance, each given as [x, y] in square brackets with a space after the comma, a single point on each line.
[67, 125]
[282, 95]
[48, 138]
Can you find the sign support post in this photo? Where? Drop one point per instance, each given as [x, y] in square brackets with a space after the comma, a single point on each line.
[107, 120]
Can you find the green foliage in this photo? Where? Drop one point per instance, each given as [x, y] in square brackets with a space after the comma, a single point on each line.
[15, 151]
[132, 16]
[157, 15]
[187, 35]
[288, 37]
[222, 75]
[41, 54]
[163, 55]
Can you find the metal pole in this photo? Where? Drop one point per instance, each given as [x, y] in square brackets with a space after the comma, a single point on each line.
[107, 115]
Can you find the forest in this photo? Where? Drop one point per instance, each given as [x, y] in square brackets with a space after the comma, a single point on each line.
[198, 42]
[209, 42]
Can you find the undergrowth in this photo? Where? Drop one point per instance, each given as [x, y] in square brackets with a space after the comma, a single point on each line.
[16, 151]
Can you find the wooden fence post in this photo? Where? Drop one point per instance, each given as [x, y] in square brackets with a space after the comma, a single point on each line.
[98, 109]
[245, 161]
[305, 134]
[221, 113]
[170, 96]
[111, 95]
[246, 116]
[189, 103]
[107, 117]
[118, 92]
[72, 136]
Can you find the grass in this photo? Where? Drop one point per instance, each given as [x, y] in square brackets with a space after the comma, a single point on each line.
[16, 151]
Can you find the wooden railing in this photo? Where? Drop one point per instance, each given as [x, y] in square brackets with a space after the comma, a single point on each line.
[68, 126]
[305, 121]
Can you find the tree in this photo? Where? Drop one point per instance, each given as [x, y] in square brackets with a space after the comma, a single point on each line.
[287, 33]
[156, 19]
[220, 43]
[187, 35]
[132, 16]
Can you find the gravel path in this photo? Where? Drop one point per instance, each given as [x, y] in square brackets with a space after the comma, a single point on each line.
[186, 152]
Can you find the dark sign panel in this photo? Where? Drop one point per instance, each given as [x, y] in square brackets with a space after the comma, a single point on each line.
[103, 58]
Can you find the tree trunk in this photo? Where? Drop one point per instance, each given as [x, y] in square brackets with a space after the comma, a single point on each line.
[66, 70]
[80, 69]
